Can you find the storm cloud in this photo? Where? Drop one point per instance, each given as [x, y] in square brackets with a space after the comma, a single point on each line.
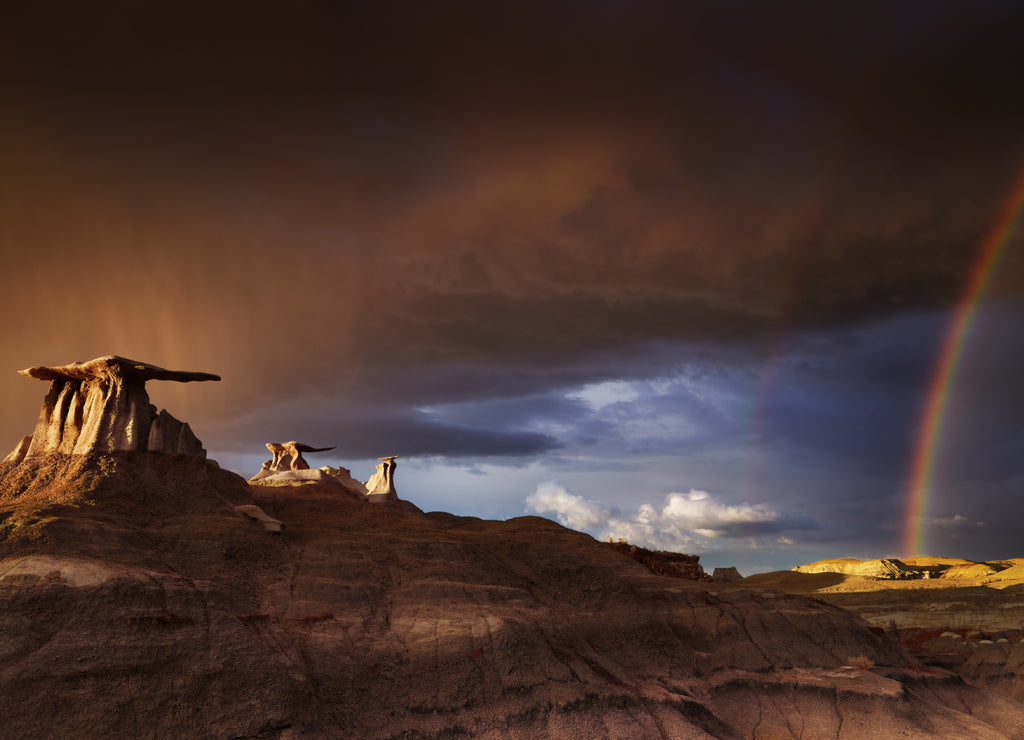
[715, 246]
[686, 520]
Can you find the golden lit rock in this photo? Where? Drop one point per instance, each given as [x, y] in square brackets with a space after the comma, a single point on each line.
[102, 406]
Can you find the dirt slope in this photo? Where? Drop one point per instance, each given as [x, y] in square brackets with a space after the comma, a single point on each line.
[135, 602]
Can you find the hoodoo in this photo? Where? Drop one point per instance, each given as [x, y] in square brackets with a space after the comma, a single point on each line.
[102, 406]
[287, 456]
[288, 467]
[381, 486]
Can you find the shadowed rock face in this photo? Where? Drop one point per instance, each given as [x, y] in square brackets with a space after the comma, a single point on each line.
[726, 575]
[102, 406]
[137, 590]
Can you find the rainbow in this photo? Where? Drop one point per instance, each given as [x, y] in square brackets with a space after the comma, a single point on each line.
[932, 421]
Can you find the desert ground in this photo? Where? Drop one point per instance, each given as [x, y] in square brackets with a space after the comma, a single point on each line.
[966, 616]
[139, 599]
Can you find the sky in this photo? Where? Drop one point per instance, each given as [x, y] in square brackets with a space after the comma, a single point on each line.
[673, 272]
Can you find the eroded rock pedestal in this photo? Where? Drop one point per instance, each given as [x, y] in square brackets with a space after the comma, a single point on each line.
[102, 406]
[288, 456]
[288, 464]
[288, 467]
[381, 486]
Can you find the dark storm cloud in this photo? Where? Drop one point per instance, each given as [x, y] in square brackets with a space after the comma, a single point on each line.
[856, 394]
[358, 431]
[426, 204]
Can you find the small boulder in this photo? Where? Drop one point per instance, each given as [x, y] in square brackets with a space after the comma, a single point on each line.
[254, 512]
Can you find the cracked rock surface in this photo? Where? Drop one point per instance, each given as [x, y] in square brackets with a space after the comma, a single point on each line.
[135, 601]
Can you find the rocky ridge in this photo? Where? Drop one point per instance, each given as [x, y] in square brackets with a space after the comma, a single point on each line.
[659, 562]
[146, 592]
[882, 568]
[132, 589]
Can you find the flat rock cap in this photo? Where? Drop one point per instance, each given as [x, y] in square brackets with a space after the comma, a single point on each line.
[113, 365]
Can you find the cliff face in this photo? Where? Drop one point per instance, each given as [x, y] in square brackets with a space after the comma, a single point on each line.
[662, 563]
[135, 601]
[882, 568]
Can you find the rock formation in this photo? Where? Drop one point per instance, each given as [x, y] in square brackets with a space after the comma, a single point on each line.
[662, 563]
[102, 406]
[882, 568]
[289, 467]
[726, 575]
[381, 486]
[288, 456]
[254, 512]
[151, 609]
[344, 476]
[18, 454]
[968, 619]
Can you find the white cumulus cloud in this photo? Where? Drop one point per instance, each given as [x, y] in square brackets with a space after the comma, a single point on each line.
[572, 511]
[687, 520]
[698, 512]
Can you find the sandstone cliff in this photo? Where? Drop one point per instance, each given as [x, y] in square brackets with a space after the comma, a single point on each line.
[881, 568]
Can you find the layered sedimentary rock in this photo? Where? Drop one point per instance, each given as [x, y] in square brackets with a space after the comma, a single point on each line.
[150, 608]
[726, 575]
[662, 563]
[883, 568]
[102, 406]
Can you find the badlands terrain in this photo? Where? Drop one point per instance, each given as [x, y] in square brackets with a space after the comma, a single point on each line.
[138, 600]
[961, 615]
[146, 592]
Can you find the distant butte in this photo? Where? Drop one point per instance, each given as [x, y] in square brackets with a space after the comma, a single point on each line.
[102, 406]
